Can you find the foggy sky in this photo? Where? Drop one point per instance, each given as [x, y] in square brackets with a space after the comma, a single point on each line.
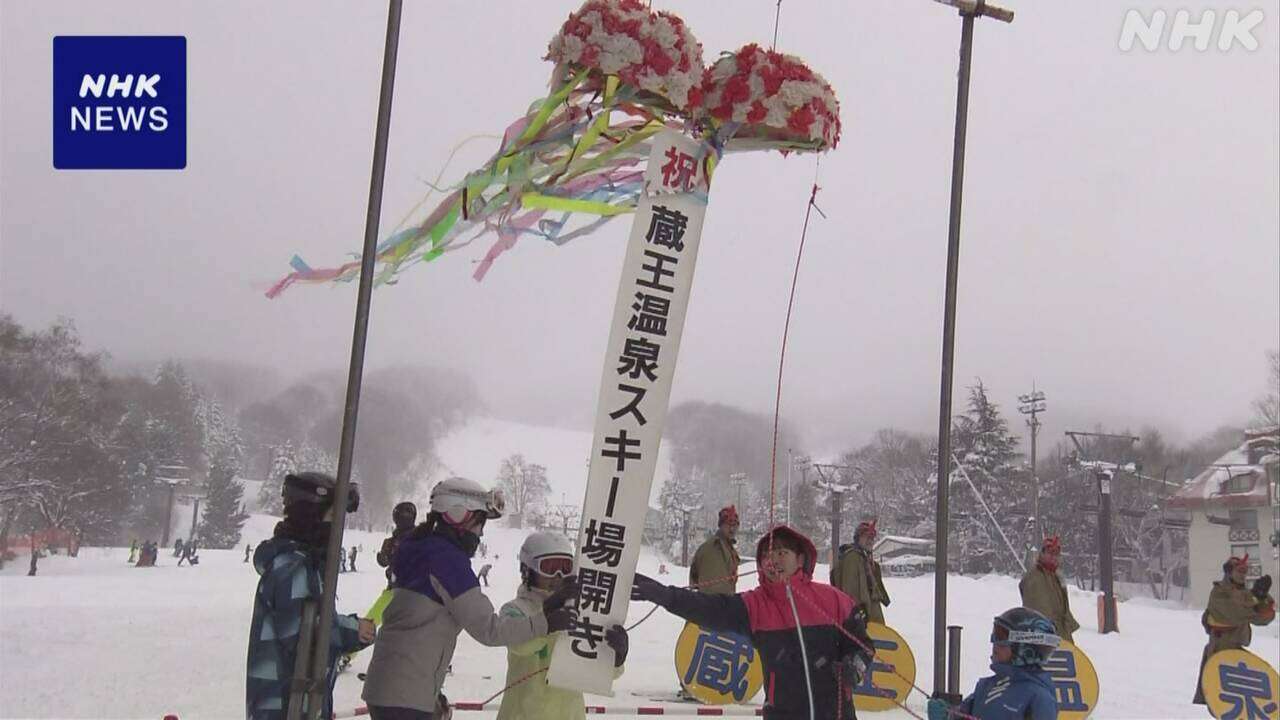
[1121, 244]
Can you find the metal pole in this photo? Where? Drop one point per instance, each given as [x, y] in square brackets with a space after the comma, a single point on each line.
[168, 519]
[948, 359]
[195, 520]
[1035, 478]
[684, 540]
[837, 505]
[1104, 553]
[320, 648]
[953, 663]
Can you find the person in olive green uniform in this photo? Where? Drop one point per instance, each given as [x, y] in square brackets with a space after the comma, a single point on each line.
[857, 574]
[714, 568]
[1043, 591]
[1231, 610]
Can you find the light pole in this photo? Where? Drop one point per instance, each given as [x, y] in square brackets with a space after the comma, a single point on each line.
[970, 10]
[1031, 404]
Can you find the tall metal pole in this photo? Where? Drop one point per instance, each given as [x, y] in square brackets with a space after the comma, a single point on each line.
[942, 522]
[1105, 554]
[320, 648]
[969, 10]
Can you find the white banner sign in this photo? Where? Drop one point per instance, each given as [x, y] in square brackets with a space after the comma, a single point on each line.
[644, 340]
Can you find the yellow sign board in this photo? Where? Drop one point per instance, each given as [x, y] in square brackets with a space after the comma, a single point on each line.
[892, 671]
[1239, 685]
[718, 668]
[1075, 682]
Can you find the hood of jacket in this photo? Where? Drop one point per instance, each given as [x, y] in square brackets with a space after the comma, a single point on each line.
[805, 575]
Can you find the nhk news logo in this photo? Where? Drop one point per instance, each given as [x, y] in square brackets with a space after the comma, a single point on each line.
[119, 102]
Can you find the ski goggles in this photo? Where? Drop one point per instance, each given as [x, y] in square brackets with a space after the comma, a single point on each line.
[555, 565]
[1001, 635]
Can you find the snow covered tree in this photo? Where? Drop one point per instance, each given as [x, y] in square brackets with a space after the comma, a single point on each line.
[224, 514]
[283, 462]
[679, 501]
[525, 486]
[807, 515]
[986, 451]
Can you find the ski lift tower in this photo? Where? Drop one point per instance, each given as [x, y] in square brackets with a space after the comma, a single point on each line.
[174, 475]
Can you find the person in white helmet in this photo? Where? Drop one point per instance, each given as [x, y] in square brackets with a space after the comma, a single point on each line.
[436, 596]
[546, 561]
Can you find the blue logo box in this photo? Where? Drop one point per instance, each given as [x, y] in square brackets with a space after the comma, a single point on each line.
[119, 102]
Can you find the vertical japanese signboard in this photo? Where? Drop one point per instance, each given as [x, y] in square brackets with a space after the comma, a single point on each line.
[644, 339]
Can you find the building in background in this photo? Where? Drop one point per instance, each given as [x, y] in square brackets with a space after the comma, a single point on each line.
[1235, 509]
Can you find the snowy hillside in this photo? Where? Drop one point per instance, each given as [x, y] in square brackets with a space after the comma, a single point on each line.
[476, 451]
[95, 637]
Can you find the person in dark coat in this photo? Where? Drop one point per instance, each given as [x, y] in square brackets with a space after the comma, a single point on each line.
[810, 679]
[291, 565]
[404, 516]
[177, 548]
[351, 561]
[247, 550]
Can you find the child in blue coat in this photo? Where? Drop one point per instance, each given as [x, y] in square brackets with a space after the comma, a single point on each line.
[1021, 641]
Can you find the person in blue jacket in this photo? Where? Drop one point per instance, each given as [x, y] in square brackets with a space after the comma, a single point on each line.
[1021, 641]
[291, 565]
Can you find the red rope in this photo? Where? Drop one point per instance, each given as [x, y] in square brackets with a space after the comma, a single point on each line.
[782, 358]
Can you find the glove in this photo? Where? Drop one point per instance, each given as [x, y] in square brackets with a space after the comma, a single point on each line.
[443, 711]
[616, 638]
[557, 599]
[559, 619]
[1262, 587]
[646, 589]
[938, 709]
[856, 668]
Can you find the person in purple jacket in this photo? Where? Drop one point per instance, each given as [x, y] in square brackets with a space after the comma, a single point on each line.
[436, 595]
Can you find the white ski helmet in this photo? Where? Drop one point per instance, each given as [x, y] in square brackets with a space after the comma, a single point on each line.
[544, 544]
[457, 498]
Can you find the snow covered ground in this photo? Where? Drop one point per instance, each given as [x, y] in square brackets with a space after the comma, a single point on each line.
[93, 637]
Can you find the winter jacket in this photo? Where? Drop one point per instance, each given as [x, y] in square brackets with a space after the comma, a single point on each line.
[1226, 619]
[1043, 591]
[767, 616]
[534, 699]
[715, 559]
[1013, 693]
[388, 551]
[436, 596]
[857, 575]
[290, 575]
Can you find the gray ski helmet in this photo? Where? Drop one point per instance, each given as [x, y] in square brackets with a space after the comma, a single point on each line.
[1032, 636]
[404, 515]
[318, 488]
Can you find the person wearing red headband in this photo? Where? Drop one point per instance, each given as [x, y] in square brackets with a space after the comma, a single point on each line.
[1231, 610]
[1043, 590]
[714, 568]
[857, 573]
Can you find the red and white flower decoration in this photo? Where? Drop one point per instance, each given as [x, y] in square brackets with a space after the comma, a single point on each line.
[776, 98]
[652, 51]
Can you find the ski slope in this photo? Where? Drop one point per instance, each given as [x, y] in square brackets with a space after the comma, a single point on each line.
[93, 637]
[476, 451]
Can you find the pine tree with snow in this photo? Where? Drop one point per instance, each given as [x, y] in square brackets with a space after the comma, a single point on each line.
[987, 452]
[283, 462]
[679, 497]
[224, 514]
